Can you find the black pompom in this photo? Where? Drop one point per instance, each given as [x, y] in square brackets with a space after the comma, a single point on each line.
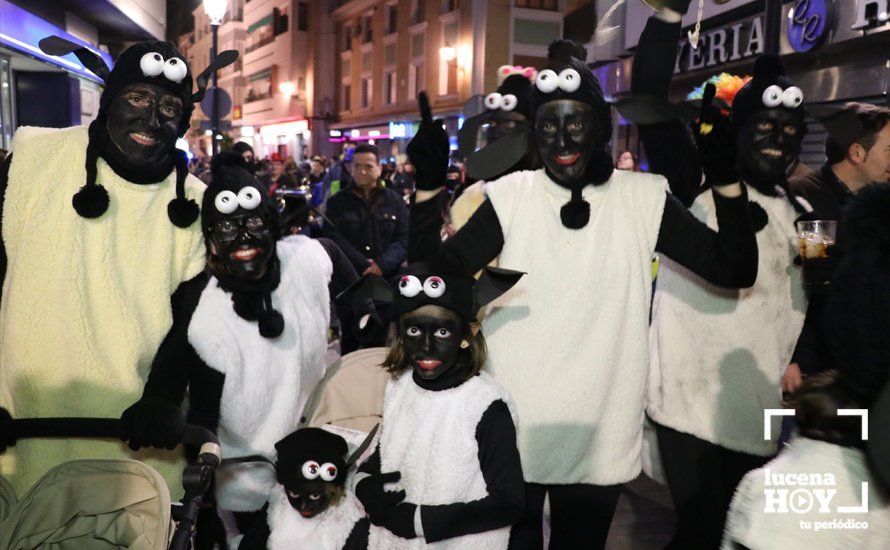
[575, 214]
[768, 66]
[271, 324]
[182, 212]
[91, 201]
[759, 218]
[564, 50]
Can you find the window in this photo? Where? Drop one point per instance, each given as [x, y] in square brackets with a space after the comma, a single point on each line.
[450, 5]
[389, 87]
[260, 33]
[448, 69]
[550, 5]
[367, 91]
[392, 18]
[347, 37]
[367, 61]
[302, 16]
[259, 86]
[417, 45]
[346, 97]
[281, 21]
[418, 11]
[346, 66]
[415, 78]
[389, 55]
[368, 28]
[534, 32]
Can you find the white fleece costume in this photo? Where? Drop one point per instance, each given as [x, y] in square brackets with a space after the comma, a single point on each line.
[86, 302]
[749, 524]
[598, 369]
[267, 381]
[718, 355]
[326, 531]
[430, 437]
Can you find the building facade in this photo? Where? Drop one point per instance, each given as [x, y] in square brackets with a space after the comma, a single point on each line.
[390, 50]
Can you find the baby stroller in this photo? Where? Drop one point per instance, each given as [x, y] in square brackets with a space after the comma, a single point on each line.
[99, 504]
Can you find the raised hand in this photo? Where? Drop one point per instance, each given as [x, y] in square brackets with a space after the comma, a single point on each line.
[717, 139]
[428, 149]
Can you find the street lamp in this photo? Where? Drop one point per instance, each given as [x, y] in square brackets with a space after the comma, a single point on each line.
[287, 88]
[215, 10]
[447, 54]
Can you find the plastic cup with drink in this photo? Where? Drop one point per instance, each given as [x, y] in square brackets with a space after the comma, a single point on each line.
[814, 239]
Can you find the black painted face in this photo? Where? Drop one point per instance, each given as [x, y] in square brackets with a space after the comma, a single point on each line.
[431, 336]
[769, 142]
[143, 123]
[566, 130]
[311, 498]
[243, 241]
[501, 122]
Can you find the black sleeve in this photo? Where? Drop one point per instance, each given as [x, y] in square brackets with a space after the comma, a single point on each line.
[727, 258]
[669, 146]
[4, 183]
[501, 468]
[812, 351]
[478, 242]
[344, 273]
[205, 395]
[176, 359]
[425, 226]
[257, 535]
[358, 537]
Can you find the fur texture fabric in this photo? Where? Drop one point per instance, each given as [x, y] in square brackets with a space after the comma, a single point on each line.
[717, 355]
[267, 381]
[86, 303]
[578, 320]
[430, 437]
[749, 525]
[326, 531]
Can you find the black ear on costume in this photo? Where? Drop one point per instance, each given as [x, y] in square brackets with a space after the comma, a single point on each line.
[58, 46]
[494, 282]
[369, 287]
[499, 156]
[651, 109]
[223, 60]
[363, 447]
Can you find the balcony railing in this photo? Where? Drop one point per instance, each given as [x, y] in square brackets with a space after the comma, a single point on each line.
[260, 44]
[257, 97]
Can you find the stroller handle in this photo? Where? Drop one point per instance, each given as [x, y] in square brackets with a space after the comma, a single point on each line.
[11, 430]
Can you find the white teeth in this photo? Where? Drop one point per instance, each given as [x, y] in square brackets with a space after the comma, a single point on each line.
[775, 153]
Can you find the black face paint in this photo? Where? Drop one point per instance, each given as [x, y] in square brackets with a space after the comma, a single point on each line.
[143, 123]
[502, 122]
[431, 339]
[243, 241]
[566, 130]
[311, 498]
[769, 142]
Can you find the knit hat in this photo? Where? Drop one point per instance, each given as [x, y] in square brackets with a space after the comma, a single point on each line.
[311, 454]
[152, 62]
[438, 283]
[768, 89]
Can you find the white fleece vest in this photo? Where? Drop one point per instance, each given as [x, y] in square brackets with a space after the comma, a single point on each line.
[749, 524]
[267, 380]
[86, 302]
[430, 437]
[569, 341]
[326, 531]
[718, 355]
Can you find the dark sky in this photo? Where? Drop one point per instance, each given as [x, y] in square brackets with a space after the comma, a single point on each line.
[179, 17]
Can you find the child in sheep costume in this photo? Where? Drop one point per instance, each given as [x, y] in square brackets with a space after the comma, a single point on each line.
[87, 290]
[252, 339]
[448, 440]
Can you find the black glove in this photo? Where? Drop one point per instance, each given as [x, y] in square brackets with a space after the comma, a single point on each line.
[375, 499]
[153, 422]
[428, 149]
[398, 519]
[717, 140]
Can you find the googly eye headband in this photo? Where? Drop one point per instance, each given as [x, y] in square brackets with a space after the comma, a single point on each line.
[317, 454]
[435, 283]
[234, 189]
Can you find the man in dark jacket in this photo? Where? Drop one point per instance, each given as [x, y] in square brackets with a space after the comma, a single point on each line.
[369, 223]
[858, 151]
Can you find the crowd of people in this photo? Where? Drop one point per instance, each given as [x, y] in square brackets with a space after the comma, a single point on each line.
[525, 325]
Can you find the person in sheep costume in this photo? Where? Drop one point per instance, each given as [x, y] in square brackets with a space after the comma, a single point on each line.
[98, 234]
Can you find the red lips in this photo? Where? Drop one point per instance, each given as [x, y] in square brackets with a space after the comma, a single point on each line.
[428, 364]
[566, 160]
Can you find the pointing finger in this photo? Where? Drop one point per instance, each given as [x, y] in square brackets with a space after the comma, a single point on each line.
[426, 114]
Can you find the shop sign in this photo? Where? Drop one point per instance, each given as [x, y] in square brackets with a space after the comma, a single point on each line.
[871, 13]
[808, 24]
[740, 40]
